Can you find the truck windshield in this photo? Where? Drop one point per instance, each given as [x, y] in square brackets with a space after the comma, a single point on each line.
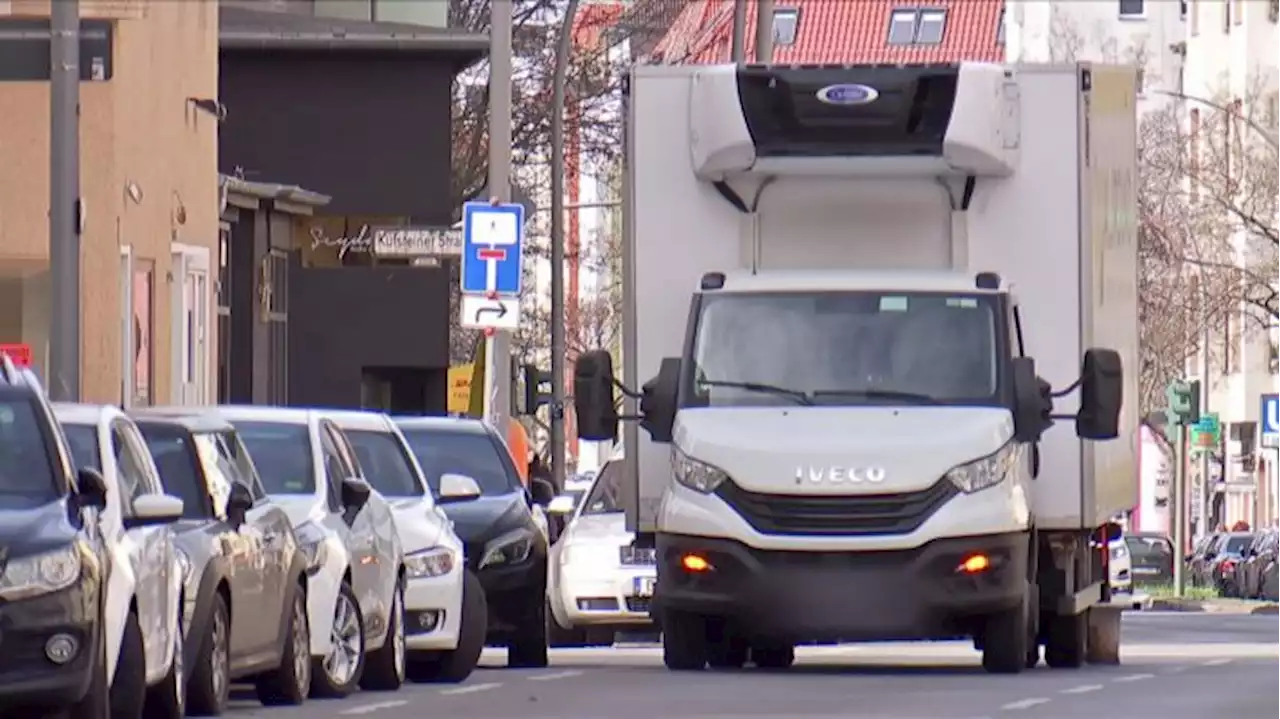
[845, 349]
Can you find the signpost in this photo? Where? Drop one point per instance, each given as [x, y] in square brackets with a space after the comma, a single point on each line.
[1269, 418]
[1206, 434]
[492, 260]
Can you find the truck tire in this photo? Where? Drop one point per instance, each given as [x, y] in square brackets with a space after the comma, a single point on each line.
[684, 641]
[773, 656]
[1006, 640]
[1066, 640]
[726, 648]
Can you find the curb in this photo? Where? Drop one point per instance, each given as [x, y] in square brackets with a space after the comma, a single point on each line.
[1212, 606]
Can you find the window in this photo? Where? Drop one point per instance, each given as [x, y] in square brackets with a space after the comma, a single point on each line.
[83, 441]
[1131, 8]
[603, 498]
[471, 453]
[385, 464]
[1182, 9]
[131, 468]
[26, 467]
[334, 470]
[1273, 10]
[282, 454]
[173, 451]
[1193, 16]
[917, 27]
[1226, 16]
[1238, 10]
[1000, 28]
[224, 316]
[785, 24]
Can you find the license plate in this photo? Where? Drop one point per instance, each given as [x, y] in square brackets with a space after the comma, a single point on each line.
[644, 586]
[1145, 570]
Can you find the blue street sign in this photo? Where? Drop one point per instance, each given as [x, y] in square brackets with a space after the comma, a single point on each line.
[492, 248]
[1270, 414]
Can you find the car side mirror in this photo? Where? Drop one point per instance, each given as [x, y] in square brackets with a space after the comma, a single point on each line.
[541, 492]
[1101, 395]
[562, 504]
[239, 502]
[355, 493]
[91, 488]
[1032, 402]
[151, 510]
[658, 399]
[456, 488]
[593, 401]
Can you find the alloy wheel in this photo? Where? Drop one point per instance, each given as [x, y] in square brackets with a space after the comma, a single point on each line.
[345, 643]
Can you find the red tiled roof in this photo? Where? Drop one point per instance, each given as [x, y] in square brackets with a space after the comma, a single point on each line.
[837, 31]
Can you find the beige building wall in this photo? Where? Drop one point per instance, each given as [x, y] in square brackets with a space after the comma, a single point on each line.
[148, 179]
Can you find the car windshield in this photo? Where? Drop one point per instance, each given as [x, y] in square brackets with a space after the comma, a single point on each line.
[1236, 545]
[384, 463]
[845, 348]
[175, 455]
[26, 464]
[1148, 547]
[473, 454]
[83, 441]
[282, 454]
[603, 497]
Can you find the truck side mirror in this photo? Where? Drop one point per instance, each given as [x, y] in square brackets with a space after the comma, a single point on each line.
[1101, 395]
[658, 399]
[593, 403]
[1032, 403]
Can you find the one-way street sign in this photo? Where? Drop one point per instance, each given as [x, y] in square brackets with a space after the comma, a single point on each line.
[499, 313]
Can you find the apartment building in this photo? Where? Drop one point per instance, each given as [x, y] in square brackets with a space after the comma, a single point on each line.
[148, 133]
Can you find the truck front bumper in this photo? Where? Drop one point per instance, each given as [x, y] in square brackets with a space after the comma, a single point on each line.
[799, 596]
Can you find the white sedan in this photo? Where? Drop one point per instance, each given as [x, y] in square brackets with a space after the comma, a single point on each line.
[598, 583]
[1121, 566]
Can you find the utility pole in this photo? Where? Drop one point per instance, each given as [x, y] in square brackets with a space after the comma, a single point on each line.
[1206, 453]
[564, 47]
[764, 31]
[739, 48]
[64, 201]
[1178, 510]
[497, 389]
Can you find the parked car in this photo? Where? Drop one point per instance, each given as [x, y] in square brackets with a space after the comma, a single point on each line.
[446, 615]
[1151, 556]
[1221, 559]
[356, 563]
[599, 584]
[505, 545]
[144, 589]
[245, 583]
[53, 656]
[1249, 572]
[1197, 569]
[1120, 565]
[1271, 582]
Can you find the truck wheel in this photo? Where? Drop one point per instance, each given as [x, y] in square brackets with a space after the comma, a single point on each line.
[684, 641]
[1006, 640]
[1066, 639]
[773, 656]
[726, 649]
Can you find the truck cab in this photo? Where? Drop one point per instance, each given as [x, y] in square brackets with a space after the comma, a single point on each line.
[853, 431]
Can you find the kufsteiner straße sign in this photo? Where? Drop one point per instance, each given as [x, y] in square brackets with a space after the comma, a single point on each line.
[417, 242]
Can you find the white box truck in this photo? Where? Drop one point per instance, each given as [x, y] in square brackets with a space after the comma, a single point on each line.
[900, 402]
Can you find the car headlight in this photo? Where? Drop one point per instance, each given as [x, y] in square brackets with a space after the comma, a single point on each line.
[510, 548]
[988, 471]
[40, 574]
[184, 564]
[312, 544]
[695, 474]
[434, 562]
[1119, 552]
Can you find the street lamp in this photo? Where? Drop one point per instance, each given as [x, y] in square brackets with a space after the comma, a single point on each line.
[1266, 134]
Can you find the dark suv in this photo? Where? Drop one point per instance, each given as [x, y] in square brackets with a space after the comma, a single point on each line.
[53, 563]
[504, 541]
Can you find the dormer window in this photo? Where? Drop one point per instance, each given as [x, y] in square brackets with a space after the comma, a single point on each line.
[917, 26]
[786, 22]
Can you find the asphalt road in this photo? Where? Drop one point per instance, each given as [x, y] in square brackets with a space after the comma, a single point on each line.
[1175, 666]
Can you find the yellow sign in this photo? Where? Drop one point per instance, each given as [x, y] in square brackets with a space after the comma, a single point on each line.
[460, 388]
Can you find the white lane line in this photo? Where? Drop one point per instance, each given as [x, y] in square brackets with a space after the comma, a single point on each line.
[556, 675]
[1025, 703]
[471, 689]
[1082, 689]
[1133, 678]
[1216, 662]
[1176, 670]
[371, 708]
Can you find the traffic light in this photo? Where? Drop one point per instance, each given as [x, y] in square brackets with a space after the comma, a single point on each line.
[1184, 402]
[537, 390]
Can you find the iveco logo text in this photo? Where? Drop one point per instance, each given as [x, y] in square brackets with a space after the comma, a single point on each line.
[840, 475]
[848, 95]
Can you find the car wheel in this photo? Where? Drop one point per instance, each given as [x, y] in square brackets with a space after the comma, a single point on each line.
[456, 665]
[558, 636]
[528, 647]
[96, 702]
[290, 683]
[210, 677]
[384, 671]
[167, 699]
[129, 687]
[337, 674]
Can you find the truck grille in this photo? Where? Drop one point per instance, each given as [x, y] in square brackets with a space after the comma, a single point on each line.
[829, 515]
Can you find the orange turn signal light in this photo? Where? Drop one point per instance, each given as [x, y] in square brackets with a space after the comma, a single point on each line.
[695, 563]
[974, 564]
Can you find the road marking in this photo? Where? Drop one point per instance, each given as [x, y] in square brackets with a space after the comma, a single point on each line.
[1133, 678]
[472, 689]
[1082, 689]
[376, 706]
[1025, 703]
[1216, 662]
[556, 675]
[1176, 670]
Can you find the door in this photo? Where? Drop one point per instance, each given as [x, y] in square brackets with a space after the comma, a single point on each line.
[127, 338]
[360, 539]
[191, 304]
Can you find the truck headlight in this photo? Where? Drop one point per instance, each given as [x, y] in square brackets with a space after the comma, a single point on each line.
[511, 548]
[988, 471]
[695, 474]
[40, 573]
[433, 562]
[312, 544]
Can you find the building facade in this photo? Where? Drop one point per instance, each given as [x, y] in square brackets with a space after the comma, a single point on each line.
[149, 188]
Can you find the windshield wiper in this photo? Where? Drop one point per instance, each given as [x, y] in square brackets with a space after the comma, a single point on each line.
[795, 394]
[889, 394]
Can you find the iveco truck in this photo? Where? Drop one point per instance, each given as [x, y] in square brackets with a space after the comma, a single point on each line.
[884, 320]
